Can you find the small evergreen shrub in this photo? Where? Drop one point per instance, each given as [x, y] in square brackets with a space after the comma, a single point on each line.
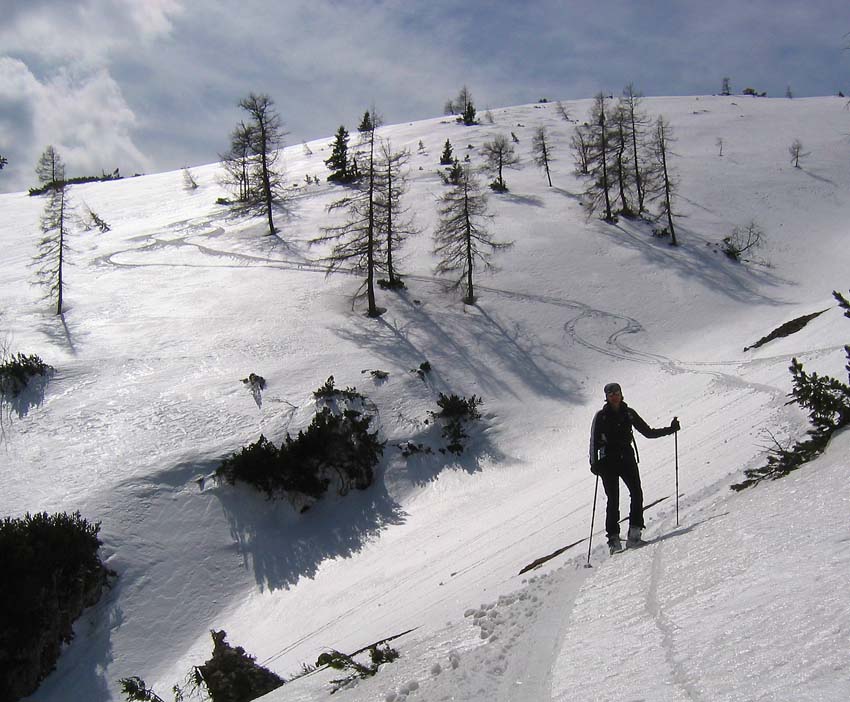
[51, 572]
[379, 654]
[17, 370]
[456, 412]
[336, 448]
[231, 675]
[827, 400]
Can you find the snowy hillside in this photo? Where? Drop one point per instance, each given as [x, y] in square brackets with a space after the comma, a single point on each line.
[167, 312]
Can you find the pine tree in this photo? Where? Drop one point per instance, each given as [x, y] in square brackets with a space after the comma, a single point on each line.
[447, 159]
[461, 239]
[542, 150]
[50, 259]
[366, 123]
[337, 163]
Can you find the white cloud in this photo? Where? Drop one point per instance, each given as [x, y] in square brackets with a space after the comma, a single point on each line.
[83, 114]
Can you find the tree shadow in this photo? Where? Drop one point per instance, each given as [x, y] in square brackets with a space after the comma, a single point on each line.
[408, 343]
[282, 547]
[30, 396]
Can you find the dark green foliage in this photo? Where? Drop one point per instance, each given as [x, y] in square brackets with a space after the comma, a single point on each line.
[447, 159]
[378, 655]
[455, 412]
[50, 572]
[231, 675]
[827, 400]
[328, 391]
[16, 371]
[469, 114]
[786, 329]
[76, 180]
[336, 447]
[137, 690]
[342, 170]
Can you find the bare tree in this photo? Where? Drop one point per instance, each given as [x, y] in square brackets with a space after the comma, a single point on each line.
[621, 167]
[600, 156]
[461, 239]
[50, 259]
[498, 155]
[719, 143]
[742, 240]
[357, 241]
[265, 140]
[238, 164]
[637, 122]
[580, 143]
[663, 183]
[50, 168]
[394, 220]
[796, 151]
[542, 150]
[563, 111]
[725, 89]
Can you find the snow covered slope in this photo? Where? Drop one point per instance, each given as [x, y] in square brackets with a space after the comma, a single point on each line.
[168, 311]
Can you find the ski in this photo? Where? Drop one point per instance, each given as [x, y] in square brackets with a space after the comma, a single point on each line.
[543, 559]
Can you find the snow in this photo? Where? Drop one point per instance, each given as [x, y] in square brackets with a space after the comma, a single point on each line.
[167, 312]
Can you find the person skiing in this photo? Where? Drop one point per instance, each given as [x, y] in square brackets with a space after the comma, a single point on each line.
[612, 458]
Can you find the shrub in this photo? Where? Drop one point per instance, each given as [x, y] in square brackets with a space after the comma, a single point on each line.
[51, 572]
[335, 448]
[231, 675]
[742, 240]
[828, 403]
[378, 655]
[456, 411]
[16, 372]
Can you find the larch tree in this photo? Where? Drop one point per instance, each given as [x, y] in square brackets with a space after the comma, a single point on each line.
[580, 144]
[356, 242]
[541, 148]
[599, 158]
[50, 259]
[238, 164]
[50, 168]
[461, 239]
[266, 135]
[637, 121]
[663, 183]
[499, 154]
[394, 220]
[622, 171]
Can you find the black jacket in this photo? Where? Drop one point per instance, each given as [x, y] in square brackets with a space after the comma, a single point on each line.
[611, 436]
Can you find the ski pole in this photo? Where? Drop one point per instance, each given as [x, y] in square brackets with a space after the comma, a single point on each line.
[592, 518]
[676, 450]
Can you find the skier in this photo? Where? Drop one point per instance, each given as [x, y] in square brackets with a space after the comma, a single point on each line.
[612, 457]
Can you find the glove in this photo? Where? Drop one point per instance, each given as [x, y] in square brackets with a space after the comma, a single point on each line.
[674, 425]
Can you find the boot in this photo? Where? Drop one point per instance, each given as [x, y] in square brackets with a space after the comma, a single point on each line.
[614, 545]
[633, 540]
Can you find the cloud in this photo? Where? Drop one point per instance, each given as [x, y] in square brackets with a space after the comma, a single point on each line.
[82, 114]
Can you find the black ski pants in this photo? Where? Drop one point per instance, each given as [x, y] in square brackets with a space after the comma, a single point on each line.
[626, 469]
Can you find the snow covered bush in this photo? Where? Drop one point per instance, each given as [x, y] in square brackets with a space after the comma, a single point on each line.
[51, 572]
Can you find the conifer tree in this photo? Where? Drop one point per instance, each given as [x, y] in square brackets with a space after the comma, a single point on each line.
[238, 164]
[498, 155]
[461, 239]
[50, 168]
[337, 163]
[265, 136]
[542, 149]
[395, 223]
[357, 242]
[637, 122]
[51, 257]
[663, 185]
[580, 144]
[622, 171]
[447, 159]
[3, 161]
[599, 160]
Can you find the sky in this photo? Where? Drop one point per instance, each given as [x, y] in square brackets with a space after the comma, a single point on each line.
[153, 85]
